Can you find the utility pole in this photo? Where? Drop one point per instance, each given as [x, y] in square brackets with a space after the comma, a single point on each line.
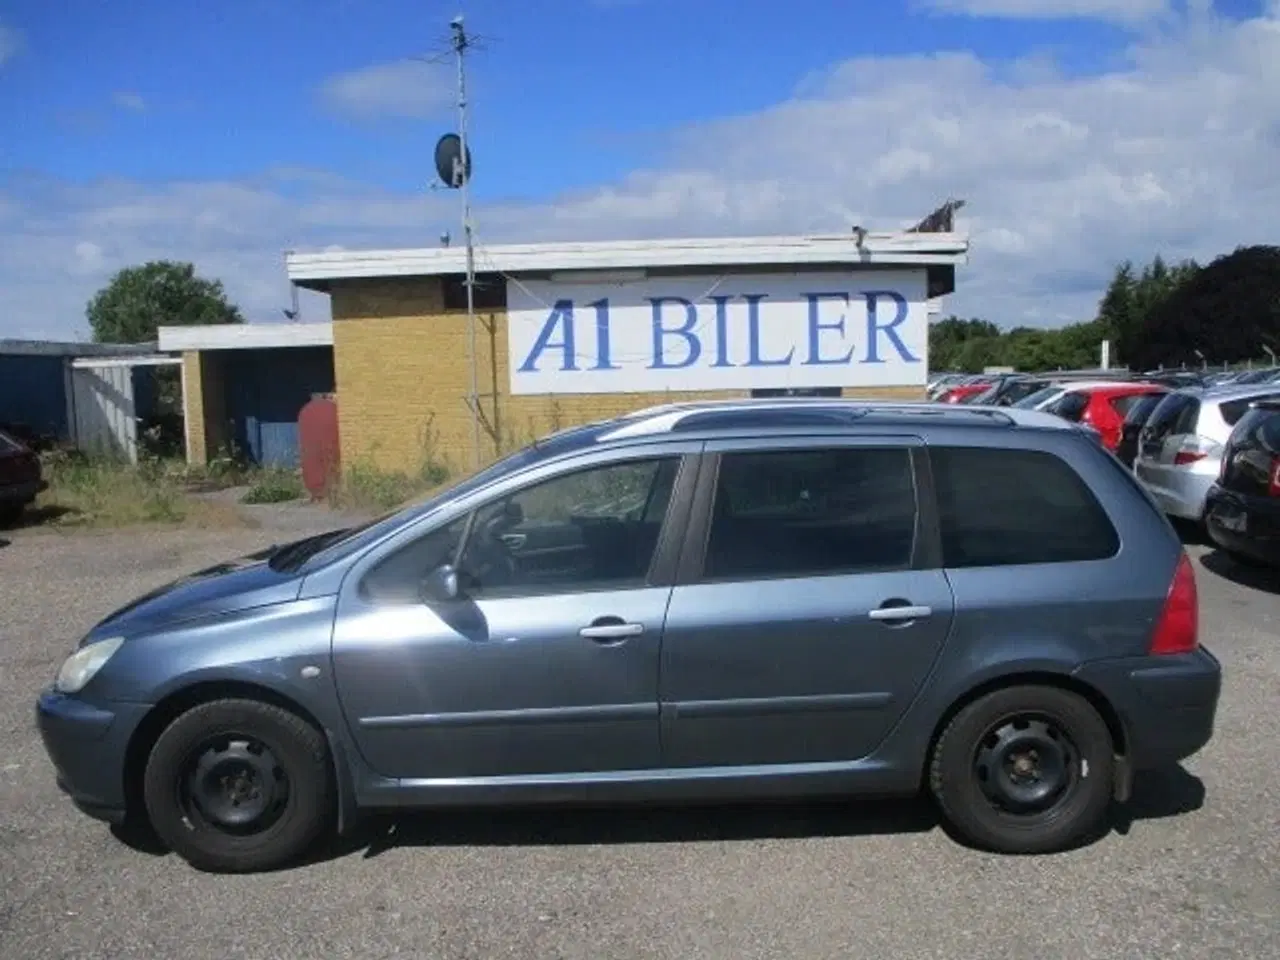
[461, 42]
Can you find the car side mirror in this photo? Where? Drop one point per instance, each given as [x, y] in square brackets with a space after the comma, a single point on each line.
[441, 584]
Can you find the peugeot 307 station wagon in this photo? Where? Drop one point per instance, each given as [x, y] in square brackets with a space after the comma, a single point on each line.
[705, 601]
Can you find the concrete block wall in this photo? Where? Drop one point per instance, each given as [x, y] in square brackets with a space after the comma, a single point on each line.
[403, 375]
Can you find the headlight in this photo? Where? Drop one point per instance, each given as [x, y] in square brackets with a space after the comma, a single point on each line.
[83, 665]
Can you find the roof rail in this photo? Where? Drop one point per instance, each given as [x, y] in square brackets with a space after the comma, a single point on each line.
[810, 412]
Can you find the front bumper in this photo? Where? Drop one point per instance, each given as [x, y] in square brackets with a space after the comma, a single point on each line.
[21, 492]
[87, 744]
[1167, 704]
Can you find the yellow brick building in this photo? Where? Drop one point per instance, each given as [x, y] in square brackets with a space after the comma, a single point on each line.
[416, 378]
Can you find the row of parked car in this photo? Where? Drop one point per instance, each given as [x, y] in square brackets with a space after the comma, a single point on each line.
[1206, 447]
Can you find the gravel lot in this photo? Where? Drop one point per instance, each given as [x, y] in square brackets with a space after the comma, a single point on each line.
[1195, 874]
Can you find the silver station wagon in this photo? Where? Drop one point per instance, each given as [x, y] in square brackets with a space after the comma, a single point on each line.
[712, 601]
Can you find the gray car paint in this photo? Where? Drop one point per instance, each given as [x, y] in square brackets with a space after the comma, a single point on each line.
[505, 701]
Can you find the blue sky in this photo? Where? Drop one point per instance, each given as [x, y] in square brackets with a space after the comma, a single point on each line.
[297, 107]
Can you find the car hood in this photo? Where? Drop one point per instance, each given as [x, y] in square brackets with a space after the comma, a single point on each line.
[240, 584]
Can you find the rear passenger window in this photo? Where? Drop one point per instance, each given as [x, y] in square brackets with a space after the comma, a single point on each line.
[800, 513]
[1010, 507]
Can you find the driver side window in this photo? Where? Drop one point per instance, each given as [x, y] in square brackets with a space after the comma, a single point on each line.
[593, 529]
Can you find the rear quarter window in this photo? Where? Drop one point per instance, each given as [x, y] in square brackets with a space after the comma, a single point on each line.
[1233, 410]
[1013, 507]
[1258, 428]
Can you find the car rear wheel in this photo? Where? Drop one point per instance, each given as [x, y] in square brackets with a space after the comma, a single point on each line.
[1025, 769]
[239, 785]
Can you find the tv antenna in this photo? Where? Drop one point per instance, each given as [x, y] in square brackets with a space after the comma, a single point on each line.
[453, 166]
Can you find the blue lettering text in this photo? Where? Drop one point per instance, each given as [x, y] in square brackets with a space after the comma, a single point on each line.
[561, 315]
[754, 359]
[874, 329]
[722, 331]
[816, 326]
[685, 330]
[602, 335]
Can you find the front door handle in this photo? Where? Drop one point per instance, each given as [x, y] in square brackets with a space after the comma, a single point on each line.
[900, 613]
[611, 631]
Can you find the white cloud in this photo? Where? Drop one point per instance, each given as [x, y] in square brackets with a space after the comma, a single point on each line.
[1122, 11]
[127, 100]
[11, 42]
[403, 88]
[1065, 176]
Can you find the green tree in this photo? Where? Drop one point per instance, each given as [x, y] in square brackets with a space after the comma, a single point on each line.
[1229, 310]
[138, 300]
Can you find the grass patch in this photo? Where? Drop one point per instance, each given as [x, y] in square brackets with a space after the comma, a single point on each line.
[102, 493]
[275, 486]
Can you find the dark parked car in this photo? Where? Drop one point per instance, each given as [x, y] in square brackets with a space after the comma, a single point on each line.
[1135, 419]
[700, 601]
[21, 478]
[1242, 510]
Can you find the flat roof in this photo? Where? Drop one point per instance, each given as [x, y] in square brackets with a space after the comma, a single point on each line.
[316, 271]
[68, 348]
[246, 336]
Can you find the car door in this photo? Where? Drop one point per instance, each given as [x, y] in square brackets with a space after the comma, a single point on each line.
[546, 661]
[808, 609]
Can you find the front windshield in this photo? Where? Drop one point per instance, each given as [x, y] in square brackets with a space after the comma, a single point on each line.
[374, 530]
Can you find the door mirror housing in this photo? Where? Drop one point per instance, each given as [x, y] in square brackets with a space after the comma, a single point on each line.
[441, 584]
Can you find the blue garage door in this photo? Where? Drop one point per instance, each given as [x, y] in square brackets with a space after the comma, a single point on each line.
[266, 389]
[33, 393]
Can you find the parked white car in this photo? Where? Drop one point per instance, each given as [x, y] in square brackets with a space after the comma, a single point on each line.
[1180, 448]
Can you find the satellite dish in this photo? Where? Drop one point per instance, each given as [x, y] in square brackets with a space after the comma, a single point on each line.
[453, 172]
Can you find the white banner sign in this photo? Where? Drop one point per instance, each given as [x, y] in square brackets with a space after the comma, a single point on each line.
[736, 332]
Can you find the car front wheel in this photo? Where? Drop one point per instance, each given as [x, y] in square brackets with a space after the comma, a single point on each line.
[1025, 769]
[239, 785]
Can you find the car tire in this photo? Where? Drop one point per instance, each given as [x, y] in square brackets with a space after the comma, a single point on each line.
[10, 514]
[237, 786]
[984, 768]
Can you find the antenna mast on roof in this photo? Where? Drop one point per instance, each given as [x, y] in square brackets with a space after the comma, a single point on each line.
[462, 177]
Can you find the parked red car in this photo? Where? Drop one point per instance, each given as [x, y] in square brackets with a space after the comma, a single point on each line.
[959, 394]
[1103, 407]
[20, 478]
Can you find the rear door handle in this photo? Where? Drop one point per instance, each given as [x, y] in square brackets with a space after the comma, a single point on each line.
[900, 613]
[611, 631]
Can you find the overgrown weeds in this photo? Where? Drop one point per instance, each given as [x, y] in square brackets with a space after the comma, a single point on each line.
[85, 491]
[365, 486]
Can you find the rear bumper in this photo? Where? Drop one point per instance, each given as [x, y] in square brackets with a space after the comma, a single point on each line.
[1240, 525]
[21, 492]
[87, 745]
[1180, 491]
[1168, 705]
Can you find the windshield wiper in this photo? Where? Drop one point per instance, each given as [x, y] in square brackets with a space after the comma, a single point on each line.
[293, 555]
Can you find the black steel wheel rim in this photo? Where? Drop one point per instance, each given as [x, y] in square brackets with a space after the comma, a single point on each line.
[1026, 764]
[234, 784]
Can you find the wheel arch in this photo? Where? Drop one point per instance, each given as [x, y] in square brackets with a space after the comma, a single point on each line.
[179, 701]
[1110, 716]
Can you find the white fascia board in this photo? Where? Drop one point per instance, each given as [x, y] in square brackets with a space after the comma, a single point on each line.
[246, 336]
[885, 249]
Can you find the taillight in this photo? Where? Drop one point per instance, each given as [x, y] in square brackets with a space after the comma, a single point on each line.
[1193, 449]
[1178, 629]
[1273, 479]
